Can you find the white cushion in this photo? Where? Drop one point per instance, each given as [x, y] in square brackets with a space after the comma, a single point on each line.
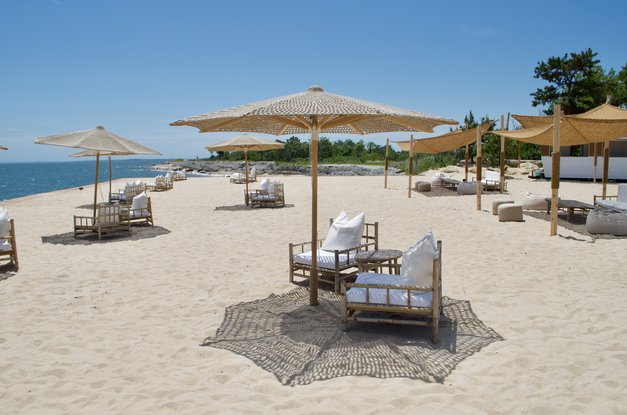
[140, 213]
[379, 295]
[5, 246]
[622, 192]
[417, 265]
[140, 201]
[5, 225]
[345, 233]
[138, 183]
[236, 176]
[265, 183]
[326, 259]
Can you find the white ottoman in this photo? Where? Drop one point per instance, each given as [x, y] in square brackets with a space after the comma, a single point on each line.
[535, 202]
[497, 203]
[510, 212]
[607, 221]
[467, 188]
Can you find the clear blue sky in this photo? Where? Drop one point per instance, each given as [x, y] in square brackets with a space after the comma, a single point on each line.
[135, 66]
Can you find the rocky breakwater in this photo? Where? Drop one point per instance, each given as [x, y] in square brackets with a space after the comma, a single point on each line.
[272, 168]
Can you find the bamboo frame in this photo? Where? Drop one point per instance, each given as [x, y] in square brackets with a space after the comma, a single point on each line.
[137, 215]
[263, 198]
[409, 166]
[108, 219]
[11, 253]
[478, 169]
[351, 311]
[341, 270]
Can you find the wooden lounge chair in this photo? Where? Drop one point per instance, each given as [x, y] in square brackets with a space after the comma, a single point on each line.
[108, 220]
[273, 197]
[127, 194]
[383, 298]
[179, 175]
[137, 214]
[8, 246]
[333, 266]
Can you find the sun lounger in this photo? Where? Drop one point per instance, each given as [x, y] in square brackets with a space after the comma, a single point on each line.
[395, 299]
[8, 245]
[272, 196]
[127, 194]
[618, 202]
[179, 175]
[333, 265]
[108, 220]
[139, 212]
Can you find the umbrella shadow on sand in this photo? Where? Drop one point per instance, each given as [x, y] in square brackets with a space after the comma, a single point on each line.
[137, 233]
[237, 208]
[300, 344]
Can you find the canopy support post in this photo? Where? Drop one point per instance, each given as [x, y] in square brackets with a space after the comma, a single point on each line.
[555, 168]
[606, 166]
[96, 185]
[409, 164]
[502, 159]
[385, 168]
[478, 169]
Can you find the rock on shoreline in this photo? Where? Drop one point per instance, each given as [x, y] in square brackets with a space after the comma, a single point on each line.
[272, 168]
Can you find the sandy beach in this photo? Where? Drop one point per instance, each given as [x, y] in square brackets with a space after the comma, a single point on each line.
[116, 327]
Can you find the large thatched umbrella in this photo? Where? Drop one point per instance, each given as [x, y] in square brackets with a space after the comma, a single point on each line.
[601, 124]
[314, 111]
[246, 143]
[97, 139]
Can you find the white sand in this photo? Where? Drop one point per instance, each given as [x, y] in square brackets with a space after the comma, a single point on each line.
[116, 327]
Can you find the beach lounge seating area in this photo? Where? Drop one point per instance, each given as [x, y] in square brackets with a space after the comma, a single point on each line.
[618, 201]
[140, 211]
[127, 194]
[108, 220]
[8, 243]
[412, 297]
[269, 194]
[336, 253]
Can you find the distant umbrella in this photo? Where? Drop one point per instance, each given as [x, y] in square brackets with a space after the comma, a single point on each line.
[3, 148]
[99, 140]
[246, 143]
[314, 111]
[96, 153]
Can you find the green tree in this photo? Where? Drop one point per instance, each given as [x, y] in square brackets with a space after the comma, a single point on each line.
[578, 83]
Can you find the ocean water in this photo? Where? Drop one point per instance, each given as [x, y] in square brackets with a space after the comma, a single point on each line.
[23, 179]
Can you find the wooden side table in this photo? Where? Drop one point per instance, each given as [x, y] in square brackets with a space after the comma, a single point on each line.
[378, 259]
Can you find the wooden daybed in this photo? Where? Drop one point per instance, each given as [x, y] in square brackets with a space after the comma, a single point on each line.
[386, 300]
[333, 266]
[108, 220]
[8, 246]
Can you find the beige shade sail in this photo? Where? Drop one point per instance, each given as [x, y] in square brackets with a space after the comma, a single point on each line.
[314, 111]
[445, 142]
[98, 140]
[246, 143]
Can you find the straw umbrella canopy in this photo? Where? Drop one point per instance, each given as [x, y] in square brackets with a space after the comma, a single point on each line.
[3, 148]
[96, 153]
[601, 124]
[100, 140]
[314, 111]
[246, 143]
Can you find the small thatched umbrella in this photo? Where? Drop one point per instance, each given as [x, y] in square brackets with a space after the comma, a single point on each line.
[601, 124]
[96, 153]
[3, 148]
[97, 139]
[246, 143]
[314, 111]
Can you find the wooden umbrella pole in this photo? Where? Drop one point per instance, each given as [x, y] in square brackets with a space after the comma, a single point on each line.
[502, 158]
[313, 274]
[555, 168]
[246, 167]
[466, 164]
[110, 175]
[606, 166]
[387, 155]
[478, 169]
[411, 144]
[466, 160]
[97, 177]
[594, 170]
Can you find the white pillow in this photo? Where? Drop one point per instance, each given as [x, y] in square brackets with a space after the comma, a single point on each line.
[138, 183]
[265, 183]
[5, 225]
[344, 233]
[140, 201]
[417, 266]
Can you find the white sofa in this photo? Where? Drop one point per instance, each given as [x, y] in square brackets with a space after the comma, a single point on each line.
[618, 202]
